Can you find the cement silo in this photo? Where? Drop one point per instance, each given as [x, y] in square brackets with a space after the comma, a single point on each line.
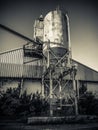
[56, 32]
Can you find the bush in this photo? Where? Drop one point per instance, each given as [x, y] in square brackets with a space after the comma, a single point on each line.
[14, 105]
[88, 104]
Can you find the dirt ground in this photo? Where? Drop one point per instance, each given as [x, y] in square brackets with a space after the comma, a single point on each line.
[21, 126]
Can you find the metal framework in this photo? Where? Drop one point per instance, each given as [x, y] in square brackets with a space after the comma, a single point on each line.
[59, 73]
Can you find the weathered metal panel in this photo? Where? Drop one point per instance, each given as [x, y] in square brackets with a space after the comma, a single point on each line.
[13, 56]
[85, 73]
[10, 70]
[32, 71]
[55, 29]
[29, 85]
[93, 87]
[19, 70]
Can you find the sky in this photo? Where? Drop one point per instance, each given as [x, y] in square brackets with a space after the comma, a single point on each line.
[20, 15]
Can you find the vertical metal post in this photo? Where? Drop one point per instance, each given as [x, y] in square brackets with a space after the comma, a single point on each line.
[77, 87]
[60, 89]
[50, 80]
[22, 80]
[48, 58]
[75, 92]
[51, 94]
[42, 88]
[21, 86]
[69, 43]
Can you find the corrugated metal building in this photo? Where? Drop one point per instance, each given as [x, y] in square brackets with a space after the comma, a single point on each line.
[11, 73]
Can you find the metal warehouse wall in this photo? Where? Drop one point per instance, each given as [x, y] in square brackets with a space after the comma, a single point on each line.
[85, 73]
[11, 65]
[19, 70]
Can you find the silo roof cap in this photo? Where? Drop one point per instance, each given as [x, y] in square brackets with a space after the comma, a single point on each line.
[41, 17]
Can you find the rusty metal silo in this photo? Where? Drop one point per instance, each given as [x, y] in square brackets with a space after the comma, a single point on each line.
[56, 32]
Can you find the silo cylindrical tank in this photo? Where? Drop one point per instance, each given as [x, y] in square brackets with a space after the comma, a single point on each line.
[56, 32]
